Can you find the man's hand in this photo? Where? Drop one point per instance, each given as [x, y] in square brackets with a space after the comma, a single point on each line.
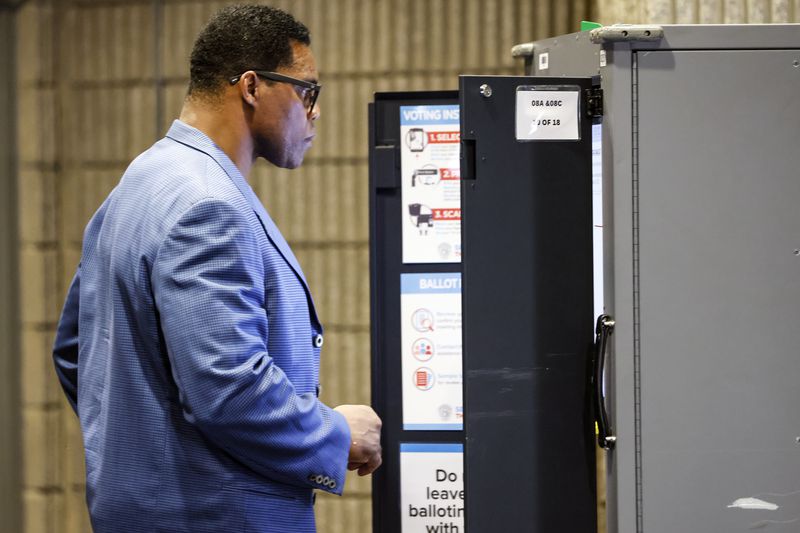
[365, 437]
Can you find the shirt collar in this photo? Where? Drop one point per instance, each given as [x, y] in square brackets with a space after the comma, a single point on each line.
[194, 138]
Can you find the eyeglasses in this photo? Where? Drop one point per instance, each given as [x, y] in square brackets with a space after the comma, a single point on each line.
[310, 89]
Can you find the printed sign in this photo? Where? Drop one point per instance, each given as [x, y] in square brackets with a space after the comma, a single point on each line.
[431, 188]
[431, 351]
[431, 488]
[548, 114]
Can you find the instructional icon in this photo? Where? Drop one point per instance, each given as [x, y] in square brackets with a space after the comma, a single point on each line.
[421, 215]
[422, 349]
[424, 378]
[422, 320]
[416, 140]
[427, 175]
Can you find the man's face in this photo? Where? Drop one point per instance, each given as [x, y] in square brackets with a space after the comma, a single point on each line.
[282, 126]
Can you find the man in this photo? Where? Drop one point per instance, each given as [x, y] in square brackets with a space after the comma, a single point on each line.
[189, 344]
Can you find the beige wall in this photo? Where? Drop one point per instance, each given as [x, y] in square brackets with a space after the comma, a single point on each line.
[9, 308]
[698, 11]
[100, 80]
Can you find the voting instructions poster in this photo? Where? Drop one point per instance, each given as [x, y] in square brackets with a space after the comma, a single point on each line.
[431, 351]
[431, 487]
[431, 188]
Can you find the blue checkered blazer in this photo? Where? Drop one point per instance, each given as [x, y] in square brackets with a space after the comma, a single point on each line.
[189, 347]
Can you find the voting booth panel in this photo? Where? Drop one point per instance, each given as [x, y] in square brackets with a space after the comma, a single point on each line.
[482, 318]
[700, 131]
[527, 230]
[415, 314]
[690, 132]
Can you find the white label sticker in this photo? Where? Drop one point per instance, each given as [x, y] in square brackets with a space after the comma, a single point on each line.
[602, 58]
[430, 334]
[431, 487]
[431, 183]
[547, 115]
[544, 61]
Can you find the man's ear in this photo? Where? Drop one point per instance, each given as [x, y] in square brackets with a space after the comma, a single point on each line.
[247, 86]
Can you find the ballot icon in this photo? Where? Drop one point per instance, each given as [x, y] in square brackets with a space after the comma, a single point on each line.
[423, 378]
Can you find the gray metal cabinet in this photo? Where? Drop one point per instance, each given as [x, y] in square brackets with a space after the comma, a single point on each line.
[700, 144]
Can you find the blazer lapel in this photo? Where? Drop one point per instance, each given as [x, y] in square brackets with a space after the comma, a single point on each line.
[193, 137]
[269, 226]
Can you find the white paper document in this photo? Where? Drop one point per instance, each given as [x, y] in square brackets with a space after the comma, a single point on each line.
[430, 310]
[431, 487]
[547, 115]
[431, 183]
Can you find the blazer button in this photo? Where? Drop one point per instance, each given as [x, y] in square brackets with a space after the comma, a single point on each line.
[318, 340]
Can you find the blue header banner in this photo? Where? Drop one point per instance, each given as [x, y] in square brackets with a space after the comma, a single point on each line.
[455, 426]
[433, 283]
[431, 447]
[426, 115]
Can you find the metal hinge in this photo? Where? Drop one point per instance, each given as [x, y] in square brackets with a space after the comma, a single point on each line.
[594, 102]
[523, 50]
[626, 33]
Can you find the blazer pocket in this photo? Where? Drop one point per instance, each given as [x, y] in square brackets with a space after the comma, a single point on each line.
[267, 512]
[272, 488]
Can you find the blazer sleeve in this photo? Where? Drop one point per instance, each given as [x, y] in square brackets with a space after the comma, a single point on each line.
[65, 347]
[208, 283]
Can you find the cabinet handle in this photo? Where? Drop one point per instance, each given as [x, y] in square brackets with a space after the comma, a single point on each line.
[603, 331]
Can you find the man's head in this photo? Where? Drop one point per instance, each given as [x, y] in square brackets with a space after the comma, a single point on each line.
[239, 38]
[254, 62]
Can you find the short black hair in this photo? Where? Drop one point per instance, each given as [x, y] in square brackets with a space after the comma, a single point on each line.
[240, 38]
